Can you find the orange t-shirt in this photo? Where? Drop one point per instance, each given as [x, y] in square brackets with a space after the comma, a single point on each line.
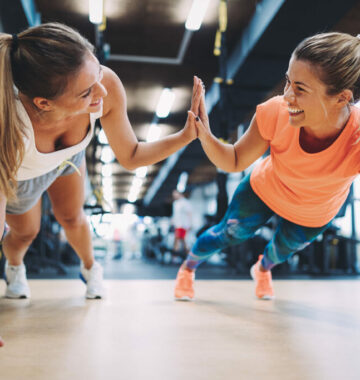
[305, 188]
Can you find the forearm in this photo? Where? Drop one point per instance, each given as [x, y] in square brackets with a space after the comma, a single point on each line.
[221, 155]
[148, 153]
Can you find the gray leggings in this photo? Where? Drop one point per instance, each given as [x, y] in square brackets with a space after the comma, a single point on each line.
[30, 191]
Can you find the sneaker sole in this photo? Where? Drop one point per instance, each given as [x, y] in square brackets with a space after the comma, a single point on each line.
[16, 296]
[184, 298]
[266, 298]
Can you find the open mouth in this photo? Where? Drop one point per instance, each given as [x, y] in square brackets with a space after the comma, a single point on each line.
[96, 103]
[294, 111]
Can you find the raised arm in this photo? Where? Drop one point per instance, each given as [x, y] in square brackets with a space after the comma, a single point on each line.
[229, 157]
[128, 150]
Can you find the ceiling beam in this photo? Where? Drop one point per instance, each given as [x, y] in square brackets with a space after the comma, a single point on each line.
[157, 60]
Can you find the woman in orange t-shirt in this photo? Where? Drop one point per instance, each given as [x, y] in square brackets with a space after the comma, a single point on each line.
[312, 132]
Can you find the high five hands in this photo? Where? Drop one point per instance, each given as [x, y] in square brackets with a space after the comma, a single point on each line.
[198, 121]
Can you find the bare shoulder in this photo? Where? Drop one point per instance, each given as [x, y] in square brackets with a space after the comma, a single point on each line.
[115, 90]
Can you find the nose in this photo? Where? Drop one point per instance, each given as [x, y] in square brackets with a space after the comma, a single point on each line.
[101, 91]
[289, 95]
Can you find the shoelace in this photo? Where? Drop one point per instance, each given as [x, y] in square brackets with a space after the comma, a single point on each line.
[67, 162]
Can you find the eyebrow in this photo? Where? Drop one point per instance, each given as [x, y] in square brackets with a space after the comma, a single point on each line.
[89, 88]
[298, 83]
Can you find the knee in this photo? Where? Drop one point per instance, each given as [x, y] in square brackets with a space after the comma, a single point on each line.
[237, 230]
[26, 236]
[73, 220]
[290, 243]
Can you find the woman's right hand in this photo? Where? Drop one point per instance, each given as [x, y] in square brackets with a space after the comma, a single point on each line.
[202, 119]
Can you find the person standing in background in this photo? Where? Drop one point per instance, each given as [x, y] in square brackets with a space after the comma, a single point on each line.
[182, 220]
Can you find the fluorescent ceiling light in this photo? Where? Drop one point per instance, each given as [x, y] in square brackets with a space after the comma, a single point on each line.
[102, 137]
[128, 209]
[106, 170]
[137, 183]
[132, 197]
[153, 133]
[107, 155]
[196, 14]
[108, 194]
[141, 172]
[181, 185]
[165, 102]
[107, 183]
[96, 8]
[147, 219]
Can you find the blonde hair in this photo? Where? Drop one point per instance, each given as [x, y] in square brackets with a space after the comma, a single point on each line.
[39, 61]
[336, 59]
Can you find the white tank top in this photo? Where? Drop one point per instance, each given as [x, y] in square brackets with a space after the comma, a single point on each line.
[34, 163]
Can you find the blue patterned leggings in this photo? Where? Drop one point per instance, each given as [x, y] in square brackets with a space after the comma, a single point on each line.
[245, 215]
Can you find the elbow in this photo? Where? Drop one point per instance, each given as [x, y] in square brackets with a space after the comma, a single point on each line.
[129, 165]
[128, 161]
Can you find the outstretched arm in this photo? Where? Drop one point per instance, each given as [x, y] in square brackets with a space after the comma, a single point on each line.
[128, 150]
[229, 157]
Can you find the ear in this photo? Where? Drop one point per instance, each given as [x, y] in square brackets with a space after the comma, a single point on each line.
[344, 97]
[42, 104]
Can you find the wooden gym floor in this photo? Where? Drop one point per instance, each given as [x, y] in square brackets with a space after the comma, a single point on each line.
[311, 331]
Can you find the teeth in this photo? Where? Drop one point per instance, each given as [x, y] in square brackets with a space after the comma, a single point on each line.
[294, 110]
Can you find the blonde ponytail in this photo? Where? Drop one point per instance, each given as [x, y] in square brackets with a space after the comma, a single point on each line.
[11, 127]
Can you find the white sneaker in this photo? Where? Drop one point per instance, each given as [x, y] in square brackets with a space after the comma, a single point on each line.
[93, 278]
[17, 285]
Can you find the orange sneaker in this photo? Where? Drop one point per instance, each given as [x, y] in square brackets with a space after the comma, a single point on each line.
[184, 286]
[264, 289]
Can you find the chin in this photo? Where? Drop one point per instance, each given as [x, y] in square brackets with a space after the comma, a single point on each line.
[296, 123]
[95, 106]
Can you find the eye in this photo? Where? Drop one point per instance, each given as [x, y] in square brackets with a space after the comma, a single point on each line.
[300, 89]
[87, 94]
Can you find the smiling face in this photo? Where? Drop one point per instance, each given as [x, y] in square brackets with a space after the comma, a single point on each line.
[83, 94]
[307, 99]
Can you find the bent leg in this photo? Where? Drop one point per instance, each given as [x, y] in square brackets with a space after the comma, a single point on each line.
[23, 230]
[245, 215]
[288, 239]
[67, 196]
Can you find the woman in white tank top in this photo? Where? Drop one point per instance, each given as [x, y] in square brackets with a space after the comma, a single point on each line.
[52, 88]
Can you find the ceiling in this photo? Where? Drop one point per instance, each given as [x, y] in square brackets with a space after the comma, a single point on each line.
[146, 37]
